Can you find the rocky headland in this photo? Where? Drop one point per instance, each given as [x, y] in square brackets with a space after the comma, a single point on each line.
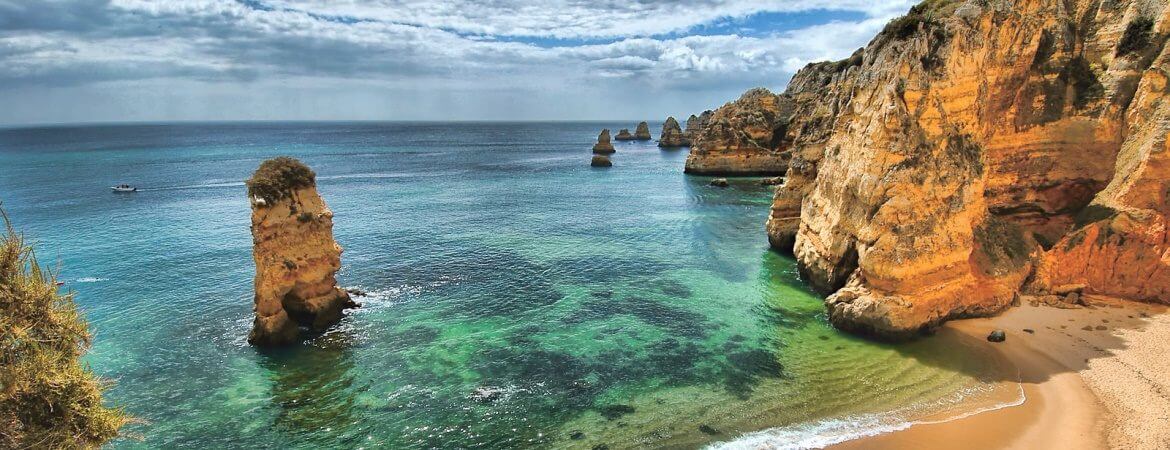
[672, 134]
[603, 145]
[296, 257]
[744, 137]
[971, 152]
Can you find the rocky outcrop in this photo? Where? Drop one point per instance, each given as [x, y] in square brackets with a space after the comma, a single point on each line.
[295, 254]
[972, 150]
[624, 135]
[603, 145]
[672, 135]
[642, 133]
[600, 161]
[744, 137]
[694, 124]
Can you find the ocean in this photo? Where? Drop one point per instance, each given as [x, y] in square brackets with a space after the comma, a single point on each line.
[518, 297]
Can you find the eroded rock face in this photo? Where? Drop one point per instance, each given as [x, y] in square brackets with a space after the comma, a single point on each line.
[672, 135]
[694, 125]
[970, 148]
[642, 133]
[744, 137]
[603, 145]
[295, 254]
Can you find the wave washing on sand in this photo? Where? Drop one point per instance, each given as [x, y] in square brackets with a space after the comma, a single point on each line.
[835, 431]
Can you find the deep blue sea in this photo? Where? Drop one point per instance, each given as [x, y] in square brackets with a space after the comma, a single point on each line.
[628, 307]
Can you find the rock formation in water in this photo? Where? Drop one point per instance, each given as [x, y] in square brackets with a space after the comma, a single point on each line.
[972, 150]
[694, 124]
[296, 256]
[603, 145]
[600, 161]
[642, 133]
[672, 135]
[624, 135]
[744, 137]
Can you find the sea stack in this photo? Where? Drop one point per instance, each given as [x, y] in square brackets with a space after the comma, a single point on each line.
[600, 161]
[296, 257]
[745, 137]
[642, 133]
[624, 135]
[672, 135]
[603, 146]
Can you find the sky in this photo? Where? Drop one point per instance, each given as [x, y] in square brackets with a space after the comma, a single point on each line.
[69, 61]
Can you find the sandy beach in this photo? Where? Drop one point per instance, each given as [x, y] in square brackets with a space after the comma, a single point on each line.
[1093, 378]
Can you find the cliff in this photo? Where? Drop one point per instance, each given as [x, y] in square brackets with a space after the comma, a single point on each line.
[295, 254]
[971, 150]
[744, 137]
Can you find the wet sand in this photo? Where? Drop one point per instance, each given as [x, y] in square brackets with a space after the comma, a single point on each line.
[1093, 378]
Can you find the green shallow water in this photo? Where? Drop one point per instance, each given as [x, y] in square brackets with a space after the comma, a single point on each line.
[519, 298]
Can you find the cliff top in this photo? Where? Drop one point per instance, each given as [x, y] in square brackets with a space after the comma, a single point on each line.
[277, 177]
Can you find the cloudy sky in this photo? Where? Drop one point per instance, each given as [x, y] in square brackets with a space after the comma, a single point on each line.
[161, 60]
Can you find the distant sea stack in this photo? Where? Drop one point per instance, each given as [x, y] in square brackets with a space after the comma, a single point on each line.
[642, 133]
[600, 161]
[694, 123]
[603, 145]
[744, 137]
[624, 135]
[672, 135]
[295, 254]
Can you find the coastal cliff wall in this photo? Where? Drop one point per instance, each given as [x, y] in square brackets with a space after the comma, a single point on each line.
[974, 149]
[296, 257]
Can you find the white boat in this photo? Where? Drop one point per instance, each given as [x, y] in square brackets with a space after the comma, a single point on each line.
[124, 188]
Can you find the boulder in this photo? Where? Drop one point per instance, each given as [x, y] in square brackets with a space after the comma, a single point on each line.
[772, 181]
[997, 336]
[603, 145]
[720, 182]
[672, 135]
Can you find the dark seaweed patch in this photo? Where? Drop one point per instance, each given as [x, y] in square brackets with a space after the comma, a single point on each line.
[676, 320]
[612, 412]
[745, 368]
[675, 289]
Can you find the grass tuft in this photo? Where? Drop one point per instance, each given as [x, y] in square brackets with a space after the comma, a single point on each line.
[48, 398]
[276, 178]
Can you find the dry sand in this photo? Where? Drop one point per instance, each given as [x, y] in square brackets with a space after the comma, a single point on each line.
[1094, 378]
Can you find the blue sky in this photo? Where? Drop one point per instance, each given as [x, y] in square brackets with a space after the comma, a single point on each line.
[161, 60]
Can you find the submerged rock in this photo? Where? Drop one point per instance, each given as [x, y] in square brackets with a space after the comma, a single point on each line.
[708, 430]
[642, 133]
[672, 135]
[296, 257]
[720, 182]
[997, 336]
[600, 161]
[624, 135]
[603, 145]
[772, 181]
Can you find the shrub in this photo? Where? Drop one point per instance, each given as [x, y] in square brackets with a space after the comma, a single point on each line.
[276, 178]
[48, 398]
[1136, 37]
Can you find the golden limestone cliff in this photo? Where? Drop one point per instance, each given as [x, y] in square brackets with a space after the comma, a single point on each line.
[972, 150]
[744, 137]
[296, 256]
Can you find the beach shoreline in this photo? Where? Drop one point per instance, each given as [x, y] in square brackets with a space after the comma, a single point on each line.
[1092, 378]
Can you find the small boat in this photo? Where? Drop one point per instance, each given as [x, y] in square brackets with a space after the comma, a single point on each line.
[124, 188]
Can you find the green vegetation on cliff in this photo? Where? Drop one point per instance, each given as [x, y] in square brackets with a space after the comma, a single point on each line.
[277, 177]
[48, 398]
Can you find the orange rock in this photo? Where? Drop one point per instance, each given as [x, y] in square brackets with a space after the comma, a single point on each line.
[295, 254]
[743, 137]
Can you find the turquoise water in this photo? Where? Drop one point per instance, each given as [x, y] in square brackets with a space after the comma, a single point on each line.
[519, 298]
